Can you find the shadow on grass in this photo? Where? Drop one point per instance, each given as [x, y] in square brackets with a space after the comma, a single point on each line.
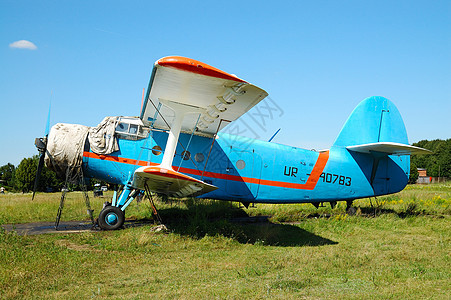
[282, 235]
[200, 220]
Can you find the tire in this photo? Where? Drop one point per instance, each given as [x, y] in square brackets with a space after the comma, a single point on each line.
[351, 211]
[111, 218]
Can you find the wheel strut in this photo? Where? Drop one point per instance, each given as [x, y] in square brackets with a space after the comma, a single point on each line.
[152, 204]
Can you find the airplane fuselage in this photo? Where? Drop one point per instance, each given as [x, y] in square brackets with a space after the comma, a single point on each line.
[249, 170]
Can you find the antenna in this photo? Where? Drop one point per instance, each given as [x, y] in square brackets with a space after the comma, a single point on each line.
[274, 135]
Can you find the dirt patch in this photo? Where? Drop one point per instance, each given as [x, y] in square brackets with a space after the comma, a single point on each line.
[64, 227]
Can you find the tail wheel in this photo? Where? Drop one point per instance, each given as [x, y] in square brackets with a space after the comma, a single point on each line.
[350, 210]
[111, 218]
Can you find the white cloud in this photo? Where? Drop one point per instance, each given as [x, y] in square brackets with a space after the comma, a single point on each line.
[23, 44]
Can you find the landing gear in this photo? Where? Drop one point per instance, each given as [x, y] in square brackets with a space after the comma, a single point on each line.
[111, 218]
[350, 210]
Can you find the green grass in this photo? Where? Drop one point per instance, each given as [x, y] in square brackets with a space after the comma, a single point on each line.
[396, 248]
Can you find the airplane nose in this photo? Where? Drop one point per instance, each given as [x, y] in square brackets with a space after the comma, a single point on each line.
[41, 144]
[64, 153]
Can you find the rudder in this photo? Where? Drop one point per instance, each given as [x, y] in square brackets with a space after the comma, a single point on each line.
[375, 119]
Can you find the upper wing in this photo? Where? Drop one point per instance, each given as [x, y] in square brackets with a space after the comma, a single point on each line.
[389, 148]
[216, 94]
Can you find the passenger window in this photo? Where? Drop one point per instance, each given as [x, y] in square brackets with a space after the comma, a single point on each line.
[186, 155]
[199, 157]
[240, 164]
[156, 150]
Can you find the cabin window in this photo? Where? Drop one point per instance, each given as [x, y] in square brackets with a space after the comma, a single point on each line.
[240, 164]
[156, 150]
[199, 157]
[186, 155]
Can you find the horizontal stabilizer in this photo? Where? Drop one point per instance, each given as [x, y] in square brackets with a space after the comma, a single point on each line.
[389, 148]
[169, 182]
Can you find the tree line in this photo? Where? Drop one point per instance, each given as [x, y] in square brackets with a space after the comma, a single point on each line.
[437, 164]
[22, 177]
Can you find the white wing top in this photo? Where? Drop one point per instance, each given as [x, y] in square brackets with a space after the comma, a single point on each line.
[208, 94]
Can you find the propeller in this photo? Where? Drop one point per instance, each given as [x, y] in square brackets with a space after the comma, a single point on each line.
[41, 144]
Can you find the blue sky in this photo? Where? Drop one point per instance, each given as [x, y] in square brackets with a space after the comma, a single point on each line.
[316, 59]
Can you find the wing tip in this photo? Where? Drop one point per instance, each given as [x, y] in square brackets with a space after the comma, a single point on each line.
[196, 67]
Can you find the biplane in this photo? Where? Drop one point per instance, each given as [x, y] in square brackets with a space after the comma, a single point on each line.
[177, 148]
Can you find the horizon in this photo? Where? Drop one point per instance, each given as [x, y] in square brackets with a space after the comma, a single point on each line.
[317, 61]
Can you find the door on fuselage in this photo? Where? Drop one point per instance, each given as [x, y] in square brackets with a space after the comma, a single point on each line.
[381, 180]
[243, 174]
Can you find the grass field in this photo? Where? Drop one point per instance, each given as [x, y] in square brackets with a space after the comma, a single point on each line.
[396, 247]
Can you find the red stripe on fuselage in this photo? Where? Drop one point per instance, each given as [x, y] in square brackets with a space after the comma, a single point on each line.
[309, 185]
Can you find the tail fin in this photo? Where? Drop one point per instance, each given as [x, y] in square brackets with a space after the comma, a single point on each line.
[374, 120]
[372, 132]
[376, 138]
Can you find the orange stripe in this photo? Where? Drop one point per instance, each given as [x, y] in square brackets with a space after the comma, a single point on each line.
[311, 181]
[309, 185]
[118, 159]
[194, 66]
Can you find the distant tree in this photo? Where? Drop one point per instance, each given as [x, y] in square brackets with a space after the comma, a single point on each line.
[7, 174]
[26, 174]
[413, 173]
[438, 163]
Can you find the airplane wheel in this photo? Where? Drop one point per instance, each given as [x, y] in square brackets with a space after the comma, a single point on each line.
[351, 211]
[111, 218]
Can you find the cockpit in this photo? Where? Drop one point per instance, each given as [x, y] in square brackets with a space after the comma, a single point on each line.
[131, 128]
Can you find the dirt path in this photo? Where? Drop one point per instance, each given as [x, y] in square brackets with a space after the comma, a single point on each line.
[48, 227]
[64, 227]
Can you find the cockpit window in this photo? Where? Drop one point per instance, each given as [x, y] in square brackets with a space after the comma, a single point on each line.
[131, 129]
[122, 127]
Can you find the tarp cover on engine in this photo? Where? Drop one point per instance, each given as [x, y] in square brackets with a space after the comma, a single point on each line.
[101, 138]
[66, 143]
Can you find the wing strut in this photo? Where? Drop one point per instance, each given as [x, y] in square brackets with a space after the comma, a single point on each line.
[180, 111]
[157, 112]
[152, 204]
[163, 178]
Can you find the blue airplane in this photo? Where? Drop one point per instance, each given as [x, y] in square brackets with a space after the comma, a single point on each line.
[176, 148]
